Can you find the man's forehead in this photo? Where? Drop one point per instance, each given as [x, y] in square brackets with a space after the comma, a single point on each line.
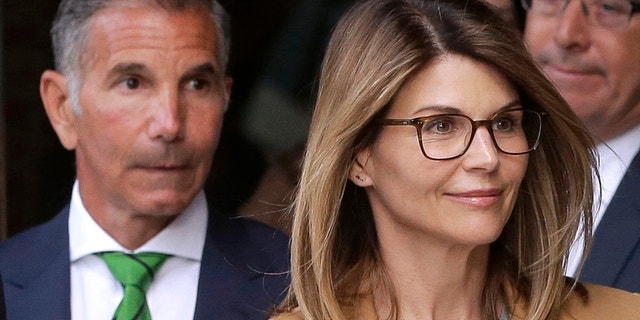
[157, 4]
[133, 29]
[197, 10]
[155, 20]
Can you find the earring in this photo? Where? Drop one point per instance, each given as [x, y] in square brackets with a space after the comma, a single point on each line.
[360, 178]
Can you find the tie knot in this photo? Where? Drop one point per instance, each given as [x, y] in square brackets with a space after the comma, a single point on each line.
[135, 272]
[134, 269]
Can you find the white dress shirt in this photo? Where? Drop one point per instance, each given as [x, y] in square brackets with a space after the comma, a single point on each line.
[95, 292]
[615, 157]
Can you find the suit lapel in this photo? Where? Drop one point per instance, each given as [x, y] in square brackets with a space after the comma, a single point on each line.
[235, 281]
[43, 276]
[618, 234]
[210, 301]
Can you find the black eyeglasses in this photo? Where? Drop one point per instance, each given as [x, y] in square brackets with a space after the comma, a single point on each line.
[615, 14]
[448, 136]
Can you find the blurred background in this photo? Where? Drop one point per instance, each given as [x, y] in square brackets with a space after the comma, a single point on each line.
[277, 46]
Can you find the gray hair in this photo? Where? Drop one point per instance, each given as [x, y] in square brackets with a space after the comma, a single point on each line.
[70, 28]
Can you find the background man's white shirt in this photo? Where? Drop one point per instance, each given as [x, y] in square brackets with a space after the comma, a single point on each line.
[615, 157]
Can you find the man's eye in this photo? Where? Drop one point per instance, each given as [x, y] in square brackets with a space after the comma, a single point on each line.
[132, 83]
[612, 7]
[198, 84]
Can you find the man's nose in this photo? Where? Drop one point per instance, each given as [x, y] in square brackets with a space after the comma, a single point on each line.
[167, 117]
[572, 32]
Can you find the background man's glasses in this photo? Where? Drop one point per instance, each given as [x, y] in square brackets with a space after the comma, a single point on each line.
[448, 136]
[615, 14]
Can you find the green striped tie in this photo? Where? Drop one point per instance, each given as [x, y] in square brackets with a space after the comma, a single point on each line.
[135, 272]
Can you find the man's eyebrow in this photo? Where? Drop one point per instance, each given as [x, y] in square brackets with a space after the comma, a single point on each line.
[128, 67]
[205, 69]
[125, 69]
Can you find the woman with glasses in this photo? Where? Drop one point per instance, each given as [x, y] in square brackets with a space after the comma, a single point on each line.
[444, 177]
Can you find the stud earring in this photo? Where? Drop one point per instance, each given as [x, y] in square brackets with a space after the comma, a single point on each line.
[360, 178]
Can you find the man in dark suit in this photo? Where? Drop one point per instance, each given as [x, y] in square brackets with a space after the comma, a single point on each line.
[590, 50]
[139, 93]
[3, 312]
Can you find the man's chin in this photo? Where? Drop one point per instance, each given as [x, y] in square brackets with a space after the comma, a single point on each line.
[168, 205]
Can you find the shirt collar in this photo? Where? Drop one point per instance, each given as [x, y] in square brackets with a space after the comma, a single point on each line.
[183, 237]
[622, 148]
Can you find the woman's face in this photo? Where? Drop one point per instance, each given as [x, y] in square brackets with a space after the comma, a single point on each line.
[463, 201]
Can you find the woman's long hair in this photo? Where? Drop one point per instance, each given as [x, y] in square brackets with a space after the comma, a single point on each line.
[376, 47]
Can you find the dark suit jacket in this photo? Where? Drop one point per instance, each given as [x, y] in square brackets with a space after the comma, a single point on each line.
[243, 270]
[614, 259]
[3, 313]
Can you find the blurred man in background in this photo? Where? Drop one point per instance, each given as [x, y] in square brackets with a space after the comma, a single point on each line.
[591, 51]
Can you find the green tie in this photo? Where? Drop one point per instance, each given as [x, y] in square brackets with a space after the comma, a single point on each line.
[135, 272]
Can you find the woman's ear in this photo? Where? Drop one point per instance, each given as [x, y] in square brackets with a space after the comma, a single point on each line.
[358, 174]
[56, 98]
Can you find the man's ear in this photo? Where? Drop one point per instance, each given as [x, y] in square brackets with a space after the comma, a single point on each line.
[358, 174]
[56, 98]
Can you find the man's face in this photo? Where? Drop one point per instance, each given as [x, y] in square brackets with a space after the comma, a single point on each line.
[505, 9]
[597, 70]
[152, 100]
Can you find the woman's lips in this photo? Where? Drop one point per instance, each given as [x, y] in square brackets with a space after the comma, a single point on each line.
[477, 198]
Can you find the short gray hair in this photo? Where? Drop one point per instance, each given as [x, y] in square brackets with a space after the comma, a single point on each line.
[70, 27]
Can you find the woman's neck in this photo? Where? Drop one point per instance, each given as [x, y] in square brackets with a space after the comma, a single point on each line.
[434, 281]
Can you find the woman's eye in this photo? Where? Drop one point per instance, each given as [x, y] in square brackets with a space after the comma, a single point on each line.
[439, 126]
[442, 127]
[503, 124]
